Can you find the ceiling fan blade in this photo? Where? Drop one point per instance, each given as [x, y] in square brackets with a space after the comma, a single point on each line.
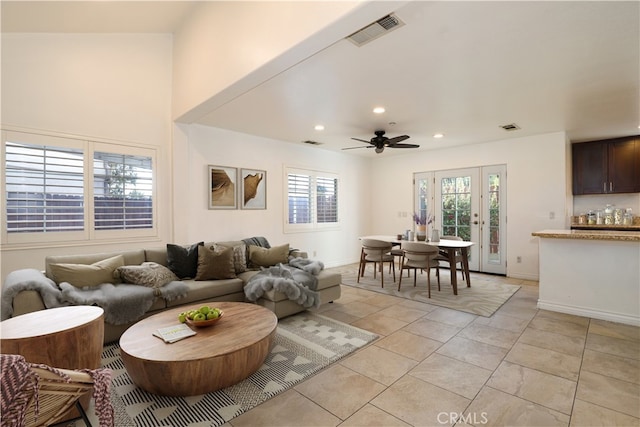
[404, 146]
[393, 141]
[361, 140]
[353, 148]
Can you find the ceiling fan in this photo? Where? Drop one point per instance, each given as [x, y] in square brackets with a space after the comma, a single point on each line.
[380, 141]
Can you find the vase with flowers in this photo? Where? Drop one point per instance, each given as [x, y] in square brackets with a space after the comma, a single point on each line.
[422, 221]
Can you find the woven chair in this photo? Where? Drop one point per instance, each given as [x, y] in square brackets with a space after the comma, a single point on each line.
[376, 252]
[444, 257]
[39, 395]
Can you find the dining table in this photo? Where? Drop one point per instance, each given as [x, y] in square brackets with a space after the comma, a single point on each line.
[449, 246]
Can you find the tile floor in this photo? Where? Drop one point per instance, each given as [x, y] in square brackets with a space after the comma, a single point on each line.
[431, 365]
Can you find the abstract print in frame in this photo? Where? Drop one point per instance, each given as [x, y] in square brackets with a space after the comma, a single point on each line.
[254, 189]
[223, 187]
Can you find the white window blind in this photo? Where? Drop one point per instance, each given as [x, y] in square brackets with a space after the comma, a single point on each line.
[312, 200]
[44, 188]
[122, 191]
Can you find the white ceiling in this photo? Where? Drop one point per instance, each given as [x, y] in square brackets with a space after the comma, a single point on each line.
[460, 68]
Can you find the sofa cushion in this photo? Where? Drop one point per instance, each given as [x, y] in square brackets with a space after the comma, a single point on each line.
[239, 255]
[81, 275]
[157, 255]
[133, 257]
[215, 264]
[266, 257]
[183, 260]
[149, 274]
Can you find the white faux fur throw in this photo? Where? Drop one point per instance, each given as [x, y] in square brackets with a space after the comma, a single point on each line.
[122, 303]
[297, 284]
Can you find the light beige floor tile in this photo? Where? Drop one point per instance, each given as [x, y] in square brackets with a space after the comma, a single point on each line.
[340, 316]
[357, 309]
[549, 361]
[615, 346]
[401, 312]
[417, 402]
[287, 409]
[430, 329]
[340, 390]
[409, 345]
[474, 352]
[381, 325]
[488, 335]
[451, 317]
[459, 377]
[612, 366]
[587, 414]
[370, 416]
[573, 346]
[381, 300]
[503, 409]
[522, 309]
[578, 320]
[379, 364]
[615, 330]
[558, 326]
[417, 305]
[610, 393]
[503, 321]
[545, 389]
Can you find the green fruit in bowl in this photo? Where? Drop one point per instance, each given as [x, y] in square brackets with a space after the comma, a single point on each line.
[199, 317]
[205, 310]
[212, 315]
[182, 317]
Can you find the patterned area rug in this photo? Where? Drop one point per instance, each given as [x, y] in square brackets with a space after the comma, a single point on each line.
[304, 344]
[483, 298]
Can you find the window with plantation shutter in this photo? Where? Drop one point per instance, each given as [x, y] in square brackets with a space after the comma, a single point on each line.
[44, 188]
[122, 191]
[61, 189]
[312, 200]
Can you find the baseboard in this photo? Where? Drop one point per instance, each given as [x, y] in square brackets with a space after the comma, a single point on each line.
[589, 312]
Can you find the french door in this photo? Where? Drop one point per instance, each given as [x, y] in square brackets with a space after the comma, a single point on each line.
[469, 203]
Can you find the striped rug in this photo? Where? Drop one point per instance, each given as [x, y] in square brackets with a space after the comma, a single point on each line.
[304, 344]
[484, 297]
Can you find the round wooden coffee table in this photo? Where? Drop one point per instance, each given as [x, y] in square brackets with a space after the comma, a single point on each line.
[216, 357]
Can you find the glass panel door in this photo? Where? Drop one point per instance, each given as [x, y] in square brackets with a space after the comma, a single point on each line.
[494, 219]
[457, 200]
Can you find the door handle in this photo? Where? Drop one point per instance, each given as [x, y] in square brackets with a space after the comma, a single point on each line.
[475, 222]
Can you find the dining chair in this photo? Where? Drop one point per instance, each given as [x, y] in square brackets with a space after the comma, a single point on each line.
[419, 256]
[444, 256]
[377, 252]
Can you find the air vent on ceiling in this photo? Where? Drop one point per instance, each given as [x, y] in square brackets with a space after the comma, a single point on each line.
[312, 142]
[373, 31]
[510, 127]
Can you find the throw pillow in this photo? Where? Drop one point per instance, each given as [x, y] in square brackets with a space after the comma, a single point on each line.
[264, 257]
[81, 275]
[215, 265]
[239, 257]
[183, 260]
[149, 274]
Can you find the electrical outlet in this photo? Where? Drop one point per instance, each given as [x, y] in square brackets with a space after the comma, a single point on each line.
[314, 254]
[519, 259]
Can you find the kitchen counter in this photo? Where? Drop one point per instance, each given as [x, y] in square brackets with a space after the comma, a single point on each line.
[629, 236]
[590, 273]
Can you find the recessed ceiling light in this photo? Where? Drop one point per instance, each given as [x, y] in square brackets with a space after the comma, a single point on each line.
[379, 110]
[438, 135]
[319, 127]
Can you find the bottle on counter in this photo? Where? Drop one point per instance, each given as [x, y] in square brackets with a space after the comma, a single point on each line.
[617, 216]
[627, 218]
[591, 217]
[599, 216]
[608, 215]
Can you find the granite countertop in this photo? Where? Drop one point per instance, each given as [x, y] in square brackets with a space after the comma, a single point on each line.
[628, 236]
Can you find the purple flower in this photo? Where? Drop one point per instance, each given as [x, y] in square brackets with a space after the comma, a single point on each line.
[423, 219]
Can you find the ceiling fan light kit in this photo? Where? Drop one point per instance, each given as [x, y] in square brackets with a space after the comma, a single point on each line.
[379, 142]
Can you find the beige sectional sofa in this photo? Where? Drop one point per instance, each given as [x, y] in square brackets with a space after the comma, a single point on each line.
[199, 291]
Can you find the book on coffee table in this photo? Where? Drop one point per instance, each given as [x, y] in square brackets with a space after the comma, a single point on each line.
[171, 334]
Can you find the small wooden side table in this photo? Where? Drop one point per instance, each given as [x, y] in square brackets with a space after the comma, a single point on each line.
[63, 337]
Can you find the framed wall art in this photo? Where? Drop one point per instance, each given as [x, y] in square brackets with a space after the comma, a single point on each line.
[223, 187]
[253, 194]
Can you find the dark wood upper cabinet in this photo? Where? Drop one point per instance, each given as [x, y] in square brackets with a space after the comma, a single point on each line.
[606, 167]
